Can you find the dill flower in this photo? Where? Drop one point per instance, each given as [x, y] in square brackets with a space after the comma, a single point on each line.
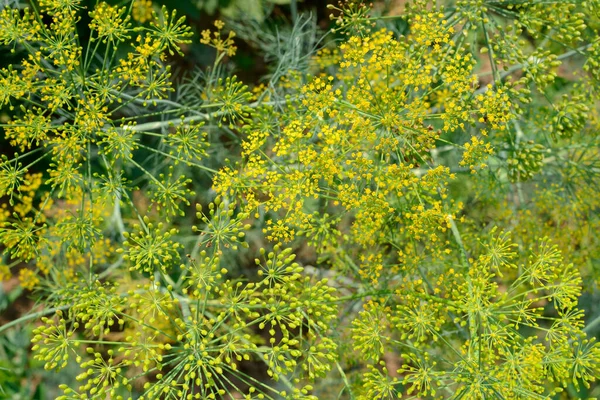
[358, 156]
[110, 23]
[142, 11]
[150, 249]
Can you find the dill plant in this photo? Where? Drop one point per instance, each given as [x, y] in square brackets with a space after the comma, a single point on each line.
[442, 178]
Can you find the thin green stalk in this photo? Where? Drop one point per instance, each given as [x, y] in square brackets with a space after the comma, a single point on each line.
[35, 315]
[162, 153]
[591, 326]
[458, 239]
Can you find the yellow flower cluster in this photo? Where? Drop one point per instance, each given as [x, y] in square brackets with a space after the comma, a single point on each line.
[142, 11]
[110, 23]
[430, 30]
[448, 211]
[476, 152]
[28, 279]
[494, 107]
[214, 39]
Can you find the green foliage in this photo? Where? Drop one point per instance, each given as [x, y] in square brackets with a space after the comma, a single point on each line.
[384, 216]
[254, 9]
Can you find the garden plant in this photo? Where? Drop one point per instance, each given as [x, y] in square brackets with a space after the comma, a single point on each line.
[405, 205]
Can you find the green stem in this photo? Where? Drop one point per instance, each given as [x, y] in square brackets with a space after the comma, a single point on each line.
[162, 153]
[145, 171]
[111, 268]
[345, 379]
[592, 325]
[35, 315]
[520, 66]
[459, 241]
[294, 10]
[495, 74]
